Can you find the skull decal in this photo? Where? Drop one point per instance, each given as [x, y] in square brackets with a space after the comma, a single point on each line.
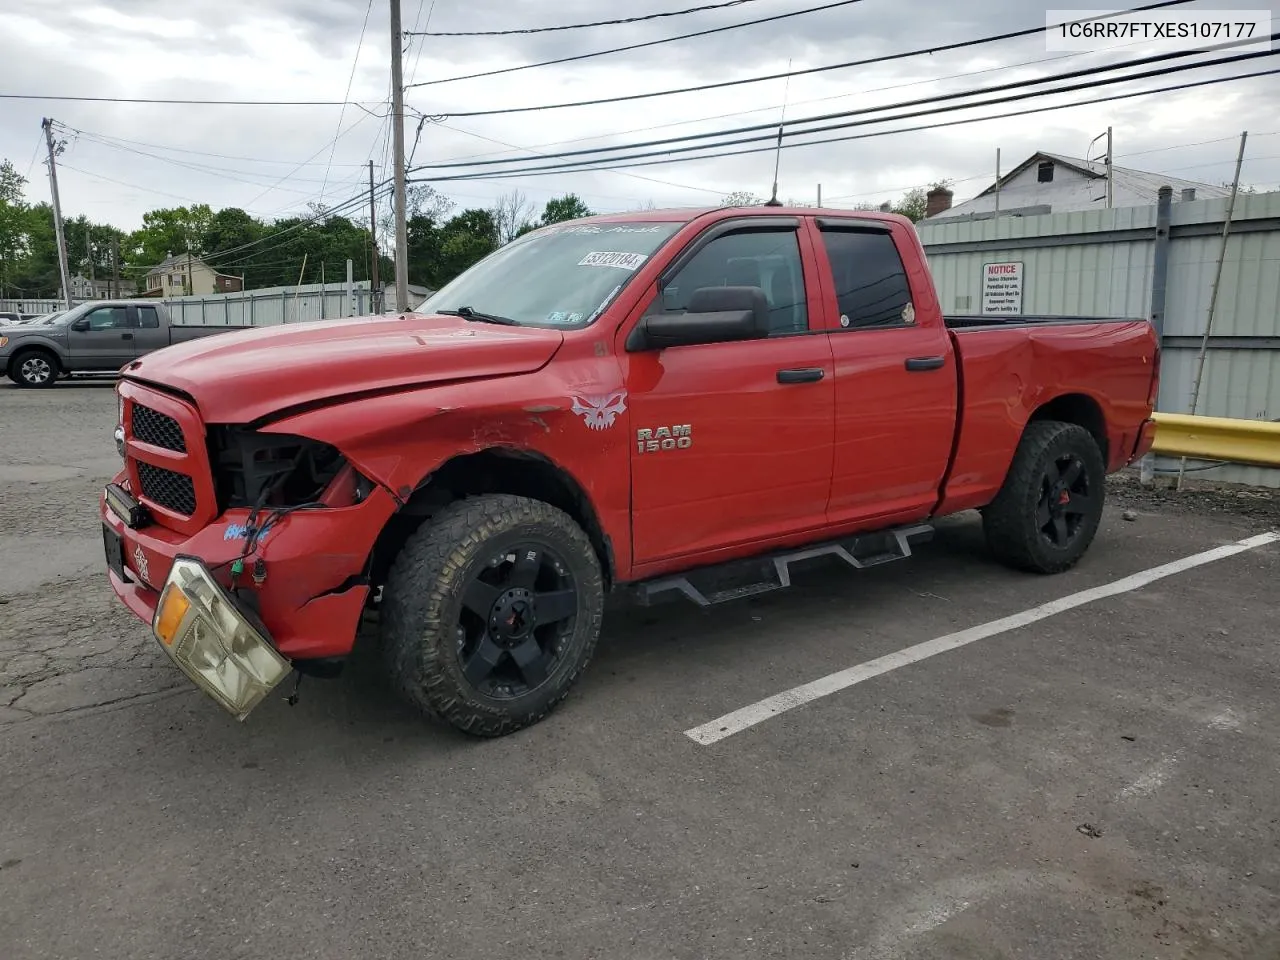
[599, 412]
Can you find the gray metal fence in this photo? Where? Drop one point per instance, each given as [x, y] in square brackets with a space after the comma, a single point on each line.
[1100, 263]
[275, 305]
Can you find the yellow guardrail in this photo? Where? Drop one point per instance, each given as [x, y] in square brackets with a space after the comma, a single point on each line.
[1218, 438]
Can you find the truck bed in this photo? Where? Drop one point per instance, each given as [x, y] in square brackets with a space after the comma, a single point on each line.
[1098, 371]
[970, 321]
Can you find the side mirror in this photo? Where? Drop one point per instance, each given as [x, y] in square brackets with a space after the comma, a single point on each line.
[715, 315]
[81, 325]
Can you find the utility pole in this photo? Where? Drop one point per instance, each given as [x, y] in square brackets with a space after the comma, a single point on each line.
[47, 123]
[88, 250]
[1111, 193]
[115, 266]
[397, 118]
[375, 280]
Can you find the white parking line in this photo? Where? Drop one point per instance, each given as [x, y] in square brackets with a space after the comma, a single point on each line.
[749, 716]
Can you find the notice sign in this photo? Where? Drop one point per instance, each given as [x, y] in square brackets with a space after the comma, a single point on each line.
[1002, 288]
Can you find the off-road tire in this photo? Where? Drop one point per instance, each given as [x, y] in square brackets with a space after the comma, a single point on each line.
[422, 602]
[1010, 520]
[22, 357]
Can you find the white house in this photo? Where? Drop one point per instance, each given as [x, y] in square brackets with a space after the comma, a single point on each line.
[1052, 183]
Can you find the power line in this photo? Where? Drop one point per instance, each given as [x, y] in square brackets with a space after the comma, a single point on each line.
[665, 183]
[637, 46]
[586, 167]
[355, 62]
[206, 169]
[1119, 156]
[582, 26]
[996, 88]
[772, 108]
[197, 153]
[206, 103]
[288, 175]
[886, 58]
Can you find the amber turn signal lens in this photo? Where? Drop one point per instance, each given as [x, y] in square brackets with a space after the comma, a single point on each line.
[173, 607]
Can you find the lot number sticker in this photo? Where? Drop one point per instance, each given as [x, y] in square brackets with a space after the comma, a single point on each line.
[627, 261]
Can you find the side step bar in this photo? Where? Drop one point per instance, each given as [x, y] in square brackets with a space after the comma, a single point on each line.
[748, 578]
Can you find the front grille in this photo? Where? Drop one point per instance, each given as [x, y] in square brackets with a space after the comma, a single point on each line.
[173, 491]
[158, 429]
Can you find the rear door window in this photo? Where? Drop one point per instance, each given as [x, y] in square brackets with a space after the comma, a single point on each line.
[871, 283]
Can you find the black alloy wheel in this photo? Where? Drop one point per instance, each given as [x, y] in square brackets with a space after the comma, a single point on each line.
[517, 615]
[491, 612]
[1050, 506]
[1065, 500]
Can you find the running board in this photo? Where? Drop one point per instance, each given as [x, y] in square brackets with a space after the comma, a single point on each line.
[773, 572]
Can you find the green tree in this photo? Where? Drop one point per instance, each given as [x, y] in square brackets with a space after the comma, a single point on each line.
[169, 231]
[740, 198]
[915, 202]
[466, 239]
[568, 207]
[15, 223]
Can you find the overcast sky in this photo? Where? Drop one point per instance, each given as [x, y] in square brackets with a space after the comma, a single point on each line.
[273, 160]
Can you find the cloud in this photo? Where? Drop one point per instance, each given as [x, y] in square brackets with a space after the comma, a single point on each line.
[273, 160]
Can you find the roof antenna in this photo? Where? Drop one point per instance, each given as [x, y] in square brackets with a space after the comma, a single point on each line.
[777, 157]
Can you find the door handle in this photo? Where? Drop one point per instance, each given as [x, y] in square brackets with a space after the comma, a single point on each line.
[916, 364]
[126, 336]
[801, 375]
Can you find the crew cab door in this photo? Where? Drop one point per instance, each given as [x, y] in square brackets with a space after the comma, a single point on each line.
[896, 382]
[102, 339]
[149, 334]
[732, 440]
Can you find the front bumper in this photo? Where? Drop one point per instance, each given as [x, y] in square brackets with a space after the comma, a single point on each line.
[308, 605]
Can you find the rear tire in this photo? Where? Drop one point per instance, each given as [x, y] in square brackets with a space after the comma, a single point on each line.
[1047, 512]
[34, 369]
[490, 612]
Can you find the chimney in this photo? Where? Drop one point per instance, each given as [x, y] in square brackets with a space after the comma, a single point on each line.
[1188, 193]
[936, 201]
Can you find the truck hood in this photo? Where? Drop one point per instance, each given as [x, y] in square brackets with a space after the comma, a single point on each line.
[247, 375]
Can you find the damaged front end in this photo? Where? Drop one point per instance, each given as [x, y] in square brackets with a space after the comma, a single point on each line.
[245, 551]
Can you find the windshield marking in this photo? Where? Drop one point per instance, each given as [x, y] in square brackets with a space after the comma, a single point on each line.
[601, 258]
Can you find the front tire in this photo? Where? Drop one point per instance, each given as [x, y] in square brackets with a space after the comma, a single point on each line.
[1047, 512]
[490, 612]
[34, 369]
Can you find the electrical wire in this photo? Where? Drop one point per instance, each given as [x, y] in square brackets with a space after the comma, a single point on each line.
[665, 183]
[935, 98]
[586, 167]
[299, 166]
[355, 62]
[183, 102]
[773, 108]
[583, 26]
[636, 46]
[845, 65]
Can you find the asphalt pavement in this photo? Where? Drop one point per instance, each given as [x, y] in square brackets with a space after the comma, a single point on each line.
[1095, 782]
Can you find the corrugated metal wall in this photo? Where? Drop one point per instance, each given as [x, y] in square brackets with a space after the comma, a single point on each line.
[1099, 263]
[262, 308]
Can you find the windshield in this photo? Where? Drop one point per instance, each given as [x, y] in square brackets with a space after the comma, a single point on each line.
[559, 276]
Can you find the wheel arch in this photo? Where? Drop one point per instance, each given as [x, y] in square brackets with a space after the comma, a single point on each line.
[1079, 409]
[38, 347]
[519, 472]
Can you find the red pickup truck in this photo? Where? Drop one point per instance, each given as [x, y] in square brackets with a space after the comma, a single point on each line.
[657, 401]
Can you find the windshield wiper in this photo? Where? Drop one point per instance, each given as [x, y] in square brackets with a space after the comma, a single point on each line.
[468, 314]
